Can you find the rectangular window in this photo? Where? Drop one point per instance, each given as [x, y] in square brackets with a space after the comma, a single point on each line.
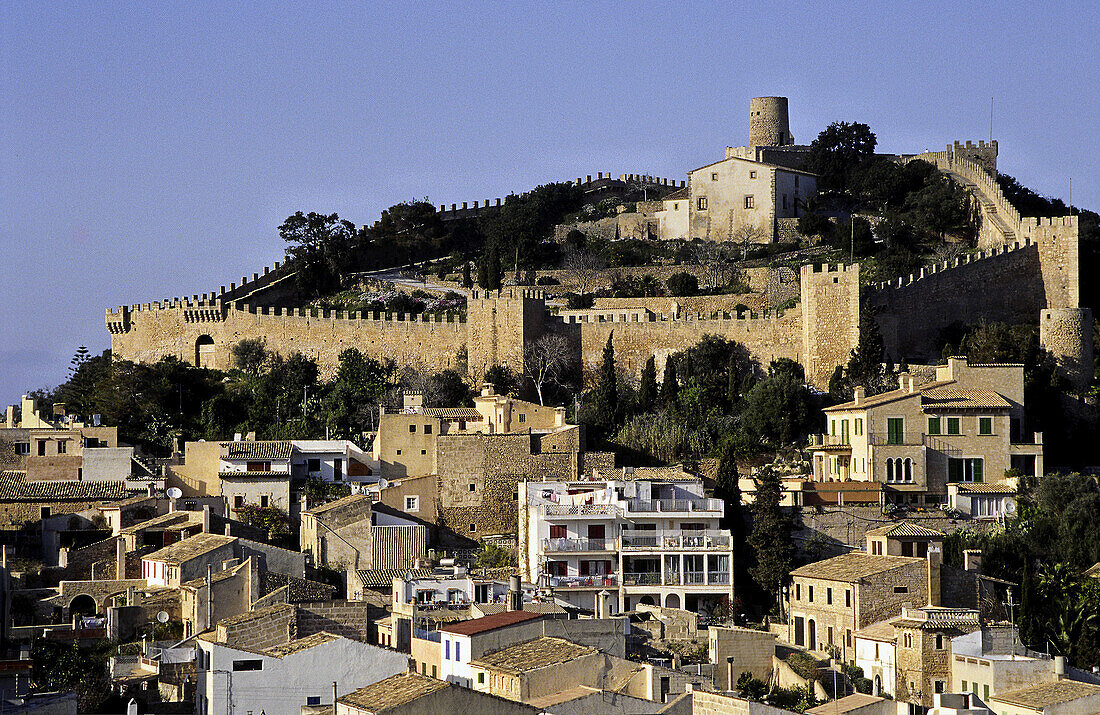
[965, 470]
[22, 448]
[473, 487]
[985, 425]
[714, 176]
[752, 174]
[847, 598]
[895, 430]
[458, 651]
[901, 589]
[858, 425]
[41, 448]
[953, 425]
[784, 201]
[557, 531]
[265, 501]
[313, 700]
[522, 417]
[238, 501]
[446, 650]
[798, 592]
[258, 466]
[829, 599]
[964, 686]
[239, 665]
[702, 203]
[435, 672]
[810, 596]
[480, 678]
[750, 202]
[62, 446]
[313, 465]
[985, 692]
[412, 503]
[939, 686]
[412, 429]
[844, 431]
[427, 429]
[933, 425]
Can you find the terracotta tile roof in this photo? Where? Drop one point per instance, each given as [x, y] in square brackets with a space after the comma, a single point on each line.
[295, 646]
[853, 566]
[15, 487]
[383, 578]
[1037, 697]
[253, 475]
[953, 398]
[350, 500]
[257, 450]
[985, 488]
[454, 413]
[533, 654]
[679, 194]
[882, 631]
[190, 548]
[905, 528]
[490, 623]
[564, 696]
[847, 704]
[885, 397]
[400, 689]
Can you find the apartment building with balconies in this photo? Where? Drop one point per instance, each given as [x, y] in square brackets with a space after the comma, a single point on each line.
[967, 426]
[642, 541]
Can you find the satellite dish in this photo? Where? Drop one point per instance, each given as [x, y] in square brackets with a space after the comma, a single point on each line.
[382, 483]
[162, 617]
[1010, 507]
[174, 492]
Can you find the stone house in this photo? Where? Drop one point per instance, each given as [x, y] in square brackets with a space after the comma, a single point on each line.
[284, 678]
[186, 560]
[964, 427]
[1060, 697]
[24, 501]
[410, 693]
[353, 532]
[737, 650]
[61, 446]
[909, 657]
[992, 661]
[737, 194]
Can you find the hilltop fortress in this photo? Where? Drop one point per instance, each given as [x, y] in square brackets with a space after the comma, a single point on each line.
[1025, 268]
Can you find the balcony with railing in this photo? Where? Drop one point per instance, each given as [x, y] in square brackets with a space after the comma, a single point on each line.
[581, 510]
[840, 442]
[577, 545]
[674, 578]
[639, 506]
[642, 579]
[599, 581]
[689, 539]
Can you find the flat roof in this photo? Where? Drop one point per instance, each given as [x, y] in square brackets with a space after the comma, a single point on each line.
[490, 623]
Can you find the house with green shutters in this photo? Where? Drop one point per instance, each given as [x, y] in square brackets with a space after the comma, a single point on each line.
[966, 426]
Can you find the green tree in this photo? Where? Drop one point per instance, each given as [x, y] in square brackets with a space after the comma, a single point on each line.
[354, 392]
[770, 538]
[503, 380]
[647, 390]
[682, 284]
[669, 387]
[777, 411]
[837, 151]
[249, 355]
[606, 403]
[322, 250]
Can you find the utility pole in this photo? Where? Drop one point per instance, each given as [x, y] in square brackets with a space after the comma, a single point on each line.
[991, 119]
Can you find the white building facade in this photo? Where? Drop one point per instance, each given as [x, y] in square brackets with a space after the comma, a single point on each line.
[643, 541]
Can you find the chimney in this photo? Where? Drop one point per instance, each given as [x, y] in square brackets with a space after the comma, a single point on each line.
[729, 673]
[972, 560]
[206, 518]
[603, 604]
[1059, 667]
[859, 395]
[209, 595]
[9, 417]
[150, 491]
[120, 559]
[515, 595]
[228, 528]
[934, 564]
[63, 557]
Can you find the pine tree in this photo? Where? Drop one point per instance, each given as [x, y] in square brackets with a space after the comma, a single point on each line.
[770, 538]
[669, 387]
[647, 391]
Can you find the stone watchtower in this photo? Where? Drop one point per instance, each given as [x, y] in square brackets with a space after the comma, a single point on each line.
[768, 122]
[499, 324]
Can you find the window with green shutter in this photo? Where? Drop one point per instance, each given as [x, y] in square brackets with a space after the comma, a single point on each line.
[953, 425]
[985, 425]
[933, 425]
[895, 430]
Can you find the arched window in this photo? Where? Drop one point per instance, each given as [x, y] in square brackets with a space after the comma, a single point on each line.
[889, 470]
[908, 470]
[907, 640]
[204, 351]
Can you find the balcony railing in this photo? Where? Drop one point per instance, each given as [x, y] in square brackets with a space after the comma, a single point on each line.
[674, 505]
[581, 510]
[567, 545]
[694, 578]
[673, 578]
[899, 439]
[718, 578]
[830, 440]
[698, 539]
[641, 579]
[608, 580]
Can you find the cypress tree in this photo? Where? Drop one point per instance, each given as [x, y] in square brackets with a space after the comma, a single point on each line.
[647, 391]
[669, 387]
[770, 538]
[607, 392]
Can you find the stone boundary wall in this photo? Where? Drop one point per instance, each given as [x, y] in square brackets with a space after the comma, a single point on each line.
[696, 304]
[351, 619]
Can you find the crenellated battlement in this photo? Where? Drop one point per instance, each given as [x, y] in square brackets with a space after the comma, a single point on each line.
[644, 315]
[351, 316]
[960, 261]
[508, 294]
[602, 180]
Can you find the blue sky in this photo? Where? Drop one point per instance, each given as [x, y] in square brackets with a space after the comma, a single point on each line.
[151, 150]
